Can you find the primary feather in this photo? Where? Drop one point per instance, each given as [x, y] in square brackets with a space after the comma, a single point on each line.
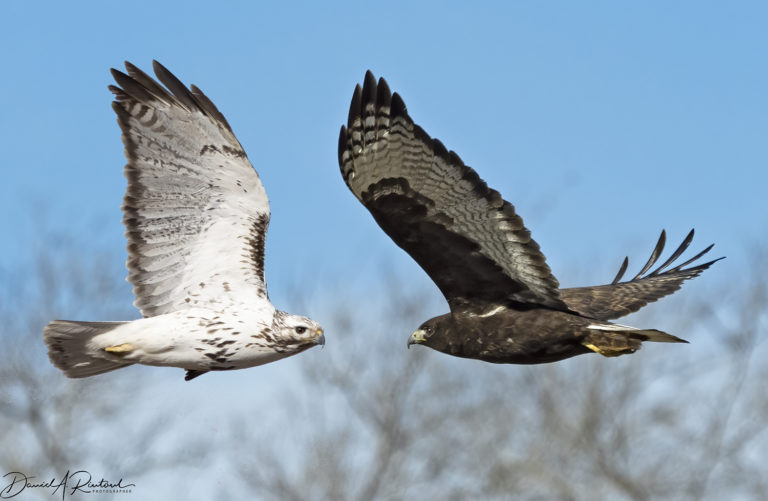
[614, 300]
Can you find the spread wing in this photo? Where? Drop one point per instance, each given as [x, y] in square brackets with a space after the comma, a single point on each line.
[606, 302]
[195, 211]
[463, 234]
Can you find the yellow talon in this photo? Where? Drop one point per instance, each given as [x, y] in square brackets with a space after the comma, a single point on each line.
[604, 352]
[593, 347]
[120, 348]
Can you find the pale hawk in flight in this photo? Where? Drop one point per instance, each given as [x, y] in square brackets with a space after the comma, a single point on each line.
[196, 216]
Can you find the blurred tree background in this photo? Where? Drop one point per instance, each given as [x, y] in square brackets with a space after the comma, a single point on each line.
[669, 422]
[49, 424]
[599, 121]
[367, 419]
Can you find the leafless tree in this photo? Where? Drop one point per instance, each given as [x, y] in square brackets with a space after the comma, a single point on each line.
[49, 424]
[371, 420]
[368, 419]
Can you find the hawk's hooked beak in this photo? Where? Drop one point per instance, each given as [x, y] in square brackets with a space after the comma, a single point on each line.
[320, 339]
[416, 338]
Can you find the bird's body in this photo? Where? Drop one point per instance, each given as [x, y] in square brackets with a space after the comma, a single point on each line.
[505, 304]
[196, 216]
[529, 336]
[509, 336]
[197, 340]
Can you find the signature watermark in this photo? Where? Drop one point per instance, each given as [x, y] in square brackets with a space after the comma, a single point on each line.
[15, 482]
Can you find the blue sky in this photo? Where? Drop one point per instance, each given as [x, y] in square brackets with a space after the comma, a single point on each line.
[602, 122]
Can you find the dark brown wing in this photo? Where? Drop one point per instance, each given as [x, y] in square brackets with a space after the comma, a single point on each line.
[606, 302]
[463, 234]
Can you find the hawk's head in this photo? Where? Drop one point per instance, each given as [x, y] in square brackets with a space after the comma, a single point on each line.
[433, 333]
[297, 332]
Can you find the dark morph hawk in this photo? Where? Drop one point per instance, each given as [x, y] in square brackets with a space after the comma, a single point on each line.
[196, 216]
[506, 306]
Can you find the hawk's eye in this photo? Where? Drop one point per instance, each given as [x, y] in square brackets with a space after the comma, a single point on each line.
[300, 329]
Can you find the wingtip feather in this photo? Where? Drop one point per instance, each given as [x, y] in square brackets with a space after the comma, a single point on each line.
[355, 107]
[397, 108]
[369, 88]
[342, 144]
[180, 91]
[383, 94]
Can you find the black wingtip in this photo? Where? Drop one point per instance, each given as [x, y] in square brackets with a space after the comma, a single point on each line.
[710, 263]
[369, 79]
[130, 87]
[622, 270]
[439, 148]
[369, 89]
[655, 254]
[156, 66]
[208, 107]
[117, 108]
[397, 107]
[355, 107]
[119, 77]
[114, 89]
[177, 88]
[383, 94]
[698, 268]
[662, 269]
[130, 67]
[680, 249]
[454, 158]
[342, 143]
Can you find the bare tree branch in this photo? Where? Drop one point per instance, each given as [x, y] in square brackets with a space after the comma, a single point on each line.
[50, 424]
[682, 423]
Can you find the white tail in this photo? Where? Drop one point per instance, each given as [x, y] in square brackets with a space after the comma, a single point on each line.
[68, 347]
[634, 332]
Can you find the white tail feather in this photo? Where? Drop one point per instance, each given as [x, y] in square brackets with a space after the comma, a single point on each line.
[633, 332]
[612, 327]
[67, 347]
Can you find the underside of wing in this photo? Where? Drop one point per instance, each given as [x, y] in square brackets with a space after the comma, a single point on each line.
[463, 234]
[195, 211]
[614, 300]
